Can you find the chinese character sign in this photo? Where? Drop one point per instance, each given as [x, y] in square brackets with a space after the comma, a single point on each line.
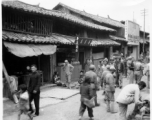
[132, 30]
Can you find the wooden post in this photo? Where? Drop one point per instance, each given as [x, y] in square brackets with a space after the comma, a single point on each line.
[39, 62]
[8, 81]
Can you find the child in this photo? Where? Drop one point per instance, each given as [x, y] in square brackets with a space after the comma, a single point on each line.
[86, 93]
[23, 102]
[81, 79]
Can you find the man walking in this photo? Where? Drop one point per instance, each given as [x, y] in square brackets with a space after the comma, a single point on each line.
[117, 62]
[120, 72]
[109, 87]
[138, 71]
[129, 94]
[34, 89]
[131, 66]
[93, 76]
[68, 68]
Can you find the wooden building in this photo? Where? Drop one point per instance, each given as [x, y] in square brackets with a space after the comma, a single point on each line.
[144, 42]
[34, 35]
[118, 36]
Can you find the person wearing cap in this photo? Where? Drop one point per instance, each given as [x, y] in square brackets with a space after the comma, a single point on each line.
[117, 64]
[138, 70]
[109, 87]
[87, 65]
[99, 69]
[68, 68]
[128, 95]
[131, 69]
[104, 66]
[129, 60]
[94, 84]
[102, 80]
[120, 71]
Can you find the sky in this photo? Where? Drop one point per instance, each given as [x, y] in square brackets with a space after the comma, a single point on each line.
[116, 9]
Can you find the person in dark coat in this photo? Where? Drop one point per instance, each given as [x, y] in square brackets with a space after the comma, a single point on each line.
[117, 62]
[34, 89]
[86, 93]
[120, 72]
[109, 87]
[93, 76]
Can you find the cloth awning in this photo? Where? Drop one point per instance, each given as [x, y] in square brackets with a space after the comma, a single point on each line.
[28, 50]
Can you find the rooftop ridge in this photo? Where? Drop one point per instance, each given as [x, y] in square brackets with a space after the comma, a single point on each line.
[91, 15]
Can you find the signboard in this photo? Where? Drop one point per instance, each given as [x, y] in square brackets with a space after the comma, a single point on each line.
[83, 41]
[132, 31]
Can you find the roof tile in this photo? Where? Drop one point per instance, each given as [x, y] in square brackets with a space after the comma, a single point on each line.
[53, 39]
[40, 10]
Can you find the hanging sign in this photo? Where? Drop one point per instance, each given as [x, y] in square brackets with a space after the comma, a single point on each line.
[83, 41]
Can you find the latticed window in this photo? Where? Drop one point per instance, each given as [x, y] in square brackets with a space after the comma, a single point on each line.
[24, 22]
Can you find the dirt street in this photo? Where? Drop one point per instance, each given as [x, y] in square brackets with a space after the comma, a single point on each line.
[68, 109]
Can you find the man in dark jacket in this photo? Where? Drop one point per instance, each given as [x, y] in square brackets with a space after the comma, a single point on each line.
[34, 89]
[94, 85]
[120, 71]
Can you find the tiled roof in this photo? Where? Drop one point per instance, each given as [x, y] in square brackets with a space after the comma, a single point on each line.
[39, 10]
[21, 37]
[104, 42]
[99, 19]
[117, 38]
[53, 39]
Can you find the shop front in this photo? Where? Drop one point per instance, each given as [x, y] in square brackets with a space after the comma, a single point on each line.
[133, 49]
[103, 49]
[22, 50]
[76, 54]
[17, 56]
[132, 34]
[123, 45]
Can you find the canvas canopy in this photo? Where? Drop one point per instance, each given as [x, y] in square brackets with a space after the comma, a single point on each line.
[28, 50]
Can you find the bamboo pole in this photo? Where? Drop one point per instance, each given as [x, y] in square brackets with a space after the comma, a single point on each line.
[8, 81]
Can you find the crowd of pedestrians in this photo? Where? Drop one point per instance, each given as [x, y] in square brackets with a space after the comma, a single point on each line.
[109, 75]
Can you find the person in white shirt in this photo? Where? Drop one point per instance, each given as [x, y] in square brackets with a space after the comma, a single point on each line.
[129, 94]
[105, 64]
[68, 68]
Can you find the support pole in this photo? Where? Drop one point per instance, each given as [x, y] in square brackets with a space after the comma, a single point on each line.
[9, 85]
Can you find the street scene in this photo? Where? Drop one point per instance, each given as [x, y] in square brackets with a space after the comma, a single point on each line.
[60, 62]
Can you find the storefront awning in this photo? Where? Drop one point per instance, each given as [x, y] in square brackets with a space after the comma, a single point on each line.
[117, 38]
[28, 50]
[104, 42]
[133, 43]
